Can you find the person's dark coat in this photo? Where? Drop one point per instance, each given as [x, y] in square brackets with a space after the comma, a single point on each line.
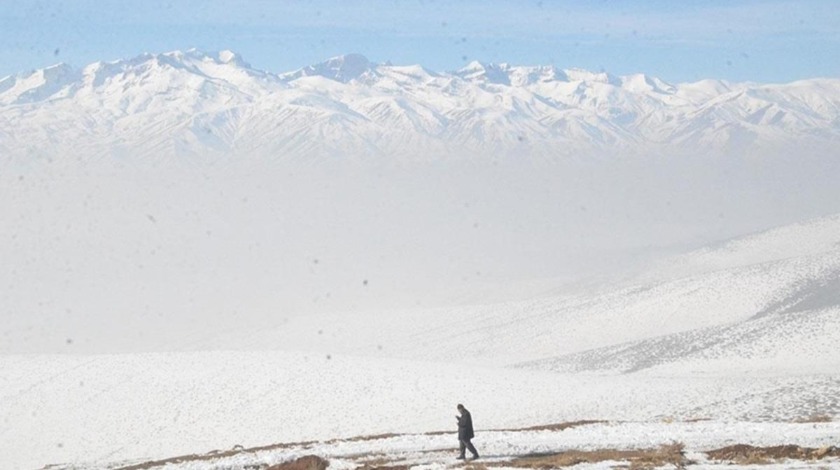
[465, 426]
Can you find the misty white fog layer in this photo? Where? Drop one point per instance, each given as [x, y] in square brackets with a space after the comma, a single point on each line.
[122, 255]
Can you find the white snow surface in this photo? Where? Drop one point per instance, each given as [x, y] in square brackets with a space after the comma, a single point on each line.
[94, 410]
[192, 103]
[722, 333]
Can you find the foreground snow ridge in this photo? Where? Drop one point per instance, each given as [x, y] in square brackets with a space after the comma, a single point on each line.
[92, 411]
[583, 444]
[196, 103]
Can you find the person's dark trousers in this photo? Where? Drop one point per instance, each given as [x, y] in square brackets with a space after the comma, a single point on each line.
[468, 445]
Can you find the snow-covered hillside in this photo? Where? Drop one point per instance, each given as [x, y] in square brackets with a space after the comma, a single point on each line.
[769, 302]
[90, 410]
[195, 103]
[744, 330]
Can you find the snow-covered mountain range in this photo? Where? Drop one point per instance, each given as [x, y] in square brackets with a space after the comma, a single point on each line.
[196, 103]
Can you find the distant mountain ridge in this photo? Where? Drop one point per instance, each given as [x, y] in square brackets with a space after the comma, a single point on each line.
[197, 103]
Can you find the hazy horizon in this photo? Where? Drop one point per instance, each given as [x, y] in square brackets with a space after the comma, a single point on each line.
[126, 255]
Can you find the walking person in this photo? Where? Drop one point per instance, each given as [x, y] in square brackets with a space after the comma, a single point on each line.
[465, 432]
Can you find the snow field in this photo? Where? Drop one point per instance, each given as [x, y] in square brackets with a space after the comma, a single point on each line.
[743, 334]
[97, 409]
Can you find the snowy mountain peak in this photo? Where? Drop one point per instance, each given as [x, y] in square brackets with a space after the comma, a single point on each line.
[581, 75]
[505, 74]
[191, 61]
[642, 83]
[343, 69]
[37, 85]
[230, 57]
[198, 56]
[524, 76]
[57, 71]
[486, 72]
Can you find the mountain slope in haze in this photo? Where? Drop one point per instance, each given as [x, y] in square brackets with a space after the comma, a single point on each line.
[775, 298]
[762, 303]
[195, 103]
[744, 330]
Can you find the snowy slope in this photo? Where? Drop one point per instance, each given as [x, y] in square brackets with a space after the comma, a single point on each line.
[766, 302]
[195, 103]
[96, 409]
[770, 302]
[740, 331]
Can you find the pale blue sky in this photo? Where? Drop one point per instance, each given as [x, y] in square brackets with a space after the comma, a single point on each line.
[766, 41]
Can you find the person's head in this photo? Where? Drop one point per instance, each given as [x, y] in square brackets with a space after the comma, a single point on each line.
[461, 408]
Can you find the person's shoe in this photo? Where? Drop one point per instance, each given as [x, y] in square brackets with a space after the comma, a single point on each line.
[461, 457]
[475, 456]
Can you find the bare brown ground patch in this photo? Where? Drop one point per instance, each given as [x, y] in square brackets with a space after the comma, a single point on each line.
[371, 437]
[672, 454]
[213, 454]
[743, 454]
[558, 426]
[307, 462]
[378, 462]
[438, 450]
[817, 418]
[385, 466]
[475, 466]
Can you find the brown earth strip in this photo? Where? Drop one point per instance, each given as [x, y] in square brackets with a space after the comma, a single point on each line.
[557, 426]
[372, 437]
[307, 462]
[743, 454]
[385, 467]
[672, 454]
[213, 454]
[817, 418]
